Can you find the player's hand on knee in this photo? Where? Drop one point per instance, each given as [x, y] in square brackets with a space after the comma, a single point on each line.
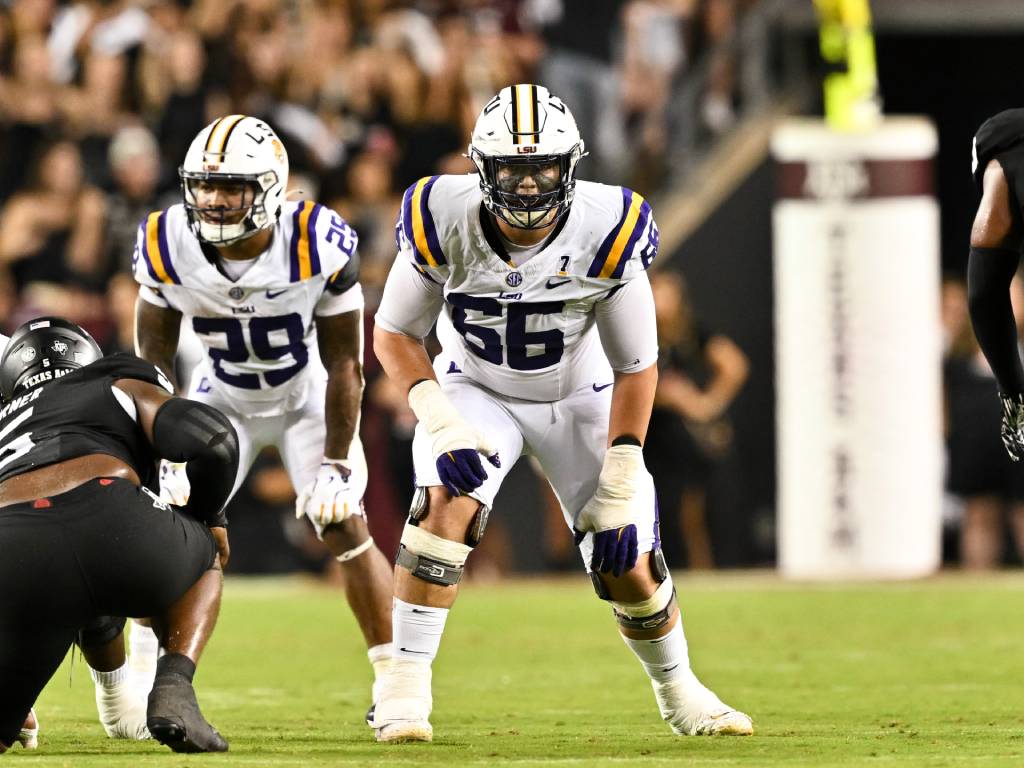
[456, 444]
[335, 494]
[174, 485]
[1012, 429]
[461, 470]
[611, 511]
[615, 551]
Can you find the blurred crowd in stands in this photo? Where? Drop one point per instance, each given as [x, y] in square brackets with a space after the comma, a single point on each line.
[99, 100]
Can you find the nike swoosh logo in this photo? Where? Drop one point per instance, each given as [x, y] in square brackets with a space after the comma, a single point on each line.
[410, 650]
[603, 386]
[275, 294]
[417, 610]
[553, 284]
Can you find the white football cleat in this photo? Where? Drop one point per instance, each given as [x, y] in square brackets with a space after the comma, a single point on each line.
[402, 712]
[122, 710]
[28, 736]
[403, 731]
[692, 710]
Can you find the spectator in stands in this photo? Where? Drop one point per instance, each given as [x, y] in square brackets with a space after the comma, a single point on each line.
[134, 159]
[581, 64]
[51, 237]
[700, 372]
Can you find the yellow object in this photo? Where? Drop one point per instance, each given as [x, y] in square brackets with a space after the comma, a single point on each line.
[846, 41]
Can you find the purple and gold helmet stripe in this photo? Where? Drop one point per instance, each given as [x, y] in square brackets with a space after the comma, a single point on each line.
[514, 92]
[304, 256]
[217, 141]
[155, 250]
[618, 247]
[534, 113]
[419, 224]
[524, 113]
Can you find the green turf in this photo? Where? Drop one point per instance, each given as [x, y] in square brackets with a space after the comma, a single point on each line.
[533, 673]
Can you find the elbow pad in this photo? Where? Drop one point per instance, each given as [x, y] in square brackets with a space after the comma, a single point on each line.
[202, 437]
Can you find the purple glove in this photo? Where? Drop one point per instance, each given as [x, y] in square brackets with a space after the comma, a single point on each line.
[461, 470]
[615, 550]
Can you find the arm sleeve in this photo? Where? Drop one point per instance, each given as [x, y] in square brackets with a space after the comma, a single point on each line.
[203, 437]
[989, 272]
[625, 321]
[411, 301]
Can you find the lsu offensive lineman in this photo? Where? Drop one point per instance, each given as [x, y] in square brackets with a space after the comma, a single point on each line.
[270, 288]
[549, 348]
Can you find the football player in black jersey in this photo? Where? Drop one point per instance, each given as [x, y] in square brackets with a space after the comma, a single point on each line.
[996, 239]
[82, 537]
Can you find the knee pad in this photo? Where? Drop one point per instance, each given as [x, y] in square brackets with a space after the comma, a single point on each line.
[100, 631]
[420, 508]
[653, 613]
[431, 558]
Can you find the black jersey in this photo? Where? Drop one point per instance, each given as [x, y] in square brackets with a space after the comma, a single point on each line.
[1002, 138]
[76, 414]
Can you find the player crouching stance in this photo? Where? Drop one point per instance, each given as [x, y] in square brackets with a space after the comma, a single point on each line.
[80, 439]
[547, 305]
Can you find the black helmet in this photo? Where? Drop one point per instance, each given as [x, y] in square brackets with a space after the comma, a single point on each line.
[40, 347]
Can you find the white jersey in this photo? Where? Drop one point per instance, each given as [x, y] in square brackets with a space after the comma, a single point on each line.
[527, 332]
[258, 331]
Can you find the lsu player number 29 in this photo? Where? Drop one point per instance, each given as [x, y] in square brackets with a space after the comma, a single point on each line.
[270, 288]
[538, 285]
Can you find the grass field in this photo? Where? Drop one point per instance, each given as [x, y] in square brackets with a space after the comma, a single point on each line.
[533, 673]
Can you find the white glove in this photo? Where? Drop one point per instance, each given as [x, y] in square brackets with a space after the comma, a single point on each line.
[447, 429]
[613, 504]
[174, 486]
[334, 495]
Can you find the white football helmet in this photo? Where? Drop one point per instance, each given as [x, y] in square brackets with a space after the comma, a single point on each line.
[521, 131]
[242, 149]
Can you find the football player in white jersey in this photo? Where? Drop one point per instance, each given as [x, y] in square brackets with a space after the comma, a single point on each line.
[548, 348]
[270, 288]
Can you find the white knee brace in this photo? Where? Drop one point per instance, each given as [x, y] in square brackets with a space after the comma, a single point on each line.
[652, 613]
[431, 558]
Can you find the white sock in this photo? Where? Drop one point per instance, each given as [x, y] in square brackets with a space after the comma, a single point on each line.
[110, 679]
[417, 630]
[142, 646]
[665, 658]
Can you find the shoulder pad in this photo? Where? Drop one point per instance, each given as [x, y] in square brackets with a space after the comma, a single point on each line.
[321, 242]
[126, 366]
[996, 135]
[152, 263]
[416, 232]
[631, 244]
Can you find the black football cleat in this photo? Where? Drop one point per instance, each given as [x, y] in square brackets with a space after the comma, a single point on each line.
[174, 719]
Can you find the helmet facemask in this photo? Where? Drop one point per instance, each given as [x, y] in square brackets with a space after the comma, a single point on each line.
[553, 177]
[220, 225]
